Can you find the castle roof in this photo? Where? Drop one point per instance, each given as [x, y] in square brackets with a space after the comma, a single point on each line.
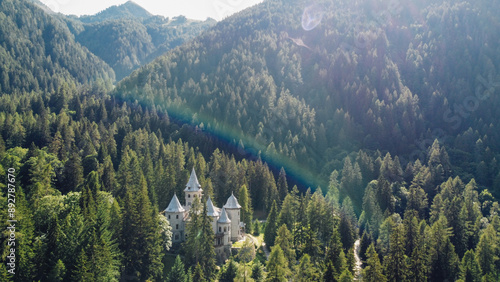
[223, 217]
[232, 203]
[175, 205]
[193, 185]
[211, 210]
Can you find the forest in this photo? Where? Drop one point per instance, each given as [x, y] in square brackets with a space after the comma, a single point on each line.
[363, 147]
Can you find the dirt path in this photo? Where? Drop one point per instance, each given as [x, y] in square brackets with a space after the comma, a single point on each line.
[357, 267]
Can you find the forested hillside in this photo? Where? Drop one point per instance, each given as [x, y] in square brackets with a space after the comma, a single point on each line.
[37, 52]
[368, 76]
[127, 36]
[384, 114]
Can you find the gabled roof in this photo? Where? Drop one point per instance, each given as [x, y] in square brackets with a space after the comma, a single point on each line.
[211, 210]
[175, 205]
[223, 217]
[232, 203]
[193, 185]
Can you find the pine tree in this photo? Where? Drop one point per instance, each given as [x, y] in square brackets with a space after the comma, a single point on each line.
[284, 239]
[246, 208]
[486, 251]
[346, 276]
[257, 271]
[288, 213]
[373, 271]
[335, 258]
[228, 272]
[396, 268]
[141, 238]
[277, 266]
[282, 185]
[470, 270]
[177, 273]
[271, 226]
[306, 271]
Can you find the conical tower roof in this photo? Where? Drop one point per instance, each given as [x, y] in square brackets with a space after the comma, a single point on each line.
[175, 205]
[211, 211]
[223, 217]
[193, 185]
[232, 203]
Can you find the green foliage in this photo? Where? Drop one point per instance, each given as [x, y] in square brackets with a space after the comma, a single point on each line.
[271, 226]
[177, 273]
[277, 266]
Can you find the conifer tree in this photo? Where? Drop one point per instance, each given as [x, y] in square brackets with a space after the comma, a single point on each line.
[306, 271]
[277, 266]
[246, 208]
[373, 272]
[470, 271]
[228, 272]
[177, 273]
[282, 185]
[288, 213]
[396, 268]
[284, 239]
[271, 226]
[486, 251]
[257, 271]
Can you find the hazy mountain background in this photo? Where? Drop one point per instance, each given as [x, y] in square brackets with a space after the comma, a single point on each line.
[383, 114]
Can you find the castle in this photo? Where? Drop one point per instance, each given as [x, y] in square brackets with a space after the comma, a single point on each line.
[226, 222]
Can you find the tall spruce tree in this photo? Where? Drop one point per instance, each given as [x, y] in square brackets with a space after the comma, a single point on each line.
[271, 225]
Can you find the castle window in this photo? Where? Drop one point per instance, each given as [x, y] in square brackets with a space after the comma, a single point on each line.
[220, 229]
[176, 226]
[168, 216]
[176, 236]
[189, 195]
[224, 229]
[176, 216]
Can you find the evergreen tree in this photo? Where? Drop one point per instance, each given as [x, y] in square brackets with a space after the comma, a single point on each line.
[373, 271]
[141, 237]
[487, 250]
[284, 239]
[228, 272]
[246, 208]
[470, 271]
[346, 276]
[396, 268]
[177, 273]
[271, 226]
[257, 271]
[306, 271]
[282, 185]
[277, 266]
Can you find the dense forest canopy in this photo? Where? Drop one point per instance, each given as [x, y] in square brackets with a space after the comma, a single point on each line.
[384, 114]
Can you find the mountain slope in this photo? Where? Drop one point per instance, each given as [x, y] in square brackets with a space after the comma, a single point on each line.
[127, 10]
[127, 36]
[368, 76]
[38, 52]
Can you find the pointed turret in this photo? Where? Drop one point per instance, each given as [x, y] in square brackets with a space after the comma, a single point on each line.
[223, 217]
[211, 210]
[193, 190]
[175, 205]
[232, 208]
[193, 185]
[175, 216]
[232, 203]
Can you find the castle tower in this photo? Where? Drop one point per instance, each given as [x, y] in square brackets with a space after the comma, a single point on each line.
[175, 216]
[224, 224]
[193, 189]
[233, 210]
[213, 214]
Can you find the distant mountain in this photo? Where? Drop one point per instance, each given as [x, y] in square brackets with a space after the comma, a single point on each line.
[128, 10]
[38, 52]
[127, 36]
[308, 84]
